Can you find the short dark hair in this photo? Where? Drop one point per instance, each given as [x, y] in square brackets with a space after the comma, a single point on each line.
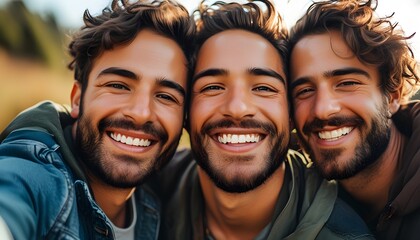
[262, 20]
[120, 24]
[372, 39]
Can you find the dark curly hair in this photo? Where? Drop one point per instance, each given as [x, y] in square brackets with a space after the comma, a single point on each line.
[373, 40]
[251, 16]
[119, 25]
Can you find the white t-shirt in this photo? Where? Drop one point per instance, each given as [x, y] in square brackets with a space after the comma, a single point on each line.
[4, 230]
[127, 233]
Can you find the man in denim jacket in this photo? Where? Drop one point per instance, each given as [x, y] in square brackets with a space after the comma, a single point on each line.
[352, 74]
[80, 178]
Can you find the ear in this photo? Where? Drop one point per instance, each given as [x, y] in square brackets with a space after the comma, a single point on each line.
[76, 94]
[394, 102]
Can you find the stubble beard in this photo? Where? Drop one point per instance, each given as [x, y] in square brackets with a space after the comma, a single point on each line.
[366, 154]
[108, 168]
[240, 183]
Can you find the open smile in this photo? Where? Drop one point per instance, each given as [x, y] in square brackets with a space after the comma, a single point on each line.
[237, 140]
[334, 134]
[131, 141]
[228, 138]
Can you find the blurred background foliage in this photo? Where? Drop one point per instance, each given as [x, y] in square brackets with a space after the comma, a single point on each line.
[29, 36]
[33, 60]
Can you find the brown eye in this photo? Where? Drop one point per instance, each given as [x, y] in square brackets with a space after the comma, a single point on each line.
[264, 89]
[166, 97]
[349, 83]
[117, 86]
[303, 92]
[211, 88]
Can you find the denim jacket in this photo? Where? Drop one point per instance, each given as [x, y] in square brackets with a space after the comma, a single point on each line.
[41, 199]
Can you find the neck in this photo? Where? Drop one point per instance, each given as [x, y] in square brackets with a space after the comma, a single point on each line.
[371, 186]
[240, 215]
[113, 201]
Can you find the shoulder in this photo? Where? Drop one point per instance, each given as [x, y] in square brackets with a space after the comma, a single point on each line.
[345, 223]
[36, 185]
[165, 182]
[33, 156]
[407, 118]
[32, 159]
[178, 185]
[46, 115]
[305, 174]
[31, 145]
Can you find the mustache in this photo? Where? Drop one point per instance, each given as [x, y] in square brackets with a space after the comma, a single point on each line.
[147, 127]
[248, 123]
[335, 121]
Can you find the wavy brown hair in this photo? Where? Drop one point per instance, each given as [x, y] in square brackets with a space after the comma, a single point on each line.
[374, 40]
[258, 16]
[119, 25]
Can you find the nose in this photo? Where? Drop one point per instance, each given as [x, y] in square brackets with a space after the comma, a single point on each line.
[139, 108]
[326, 104]
[239, 103]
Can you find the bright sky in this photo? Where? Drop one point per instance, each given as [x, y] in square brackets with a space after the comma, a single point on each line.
[69, 12]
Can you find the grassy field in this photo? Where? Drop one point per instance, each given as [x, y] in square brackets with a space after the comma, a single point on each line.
[24, 83]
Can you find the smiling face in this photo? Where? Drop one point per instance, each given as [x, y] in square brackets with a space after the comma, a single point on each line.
[131, 114]
[239, 120]
[340, 111]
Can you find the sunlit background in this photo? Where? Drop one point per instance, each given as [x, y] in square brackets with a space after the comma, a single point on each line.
[34, 35]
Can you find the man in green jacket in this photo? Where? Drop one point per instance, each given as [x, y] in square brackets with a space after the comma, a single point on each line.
[242, 181]
[352, 74]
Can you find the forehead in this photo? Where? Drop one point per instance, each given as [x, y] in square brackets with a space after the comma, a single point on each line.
[238, 50]
[320, 53]
[148, 55]
[328, 43]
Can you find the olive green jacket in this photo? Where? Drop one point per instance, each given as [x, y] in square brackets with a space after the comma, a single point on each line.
[307, 208]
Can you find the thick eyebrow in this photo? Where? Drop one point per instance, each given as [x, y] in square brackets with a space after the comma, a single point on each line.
[298, 82]
[329, 74]
[266, 72]
[171, 84]
[210, 72]
[253, 71]
[120, 72]
[128, 74]
[346, 71]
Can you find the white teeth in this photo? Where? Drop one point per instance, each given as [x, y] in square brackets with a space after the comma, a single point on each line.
[238, 138]
[335, 134]
[130, 141]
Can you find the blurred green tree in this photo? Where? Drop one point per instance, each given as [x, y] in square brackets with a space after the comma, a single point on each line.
[28, 35]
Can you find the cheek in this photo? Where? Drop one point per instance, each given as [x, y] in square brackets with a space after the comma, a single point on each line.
[370, 103]
[276, 110]
[91, 109]
[94, 102]
[199, 112]
[300, 114]
[279, 117]
[172, 122]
